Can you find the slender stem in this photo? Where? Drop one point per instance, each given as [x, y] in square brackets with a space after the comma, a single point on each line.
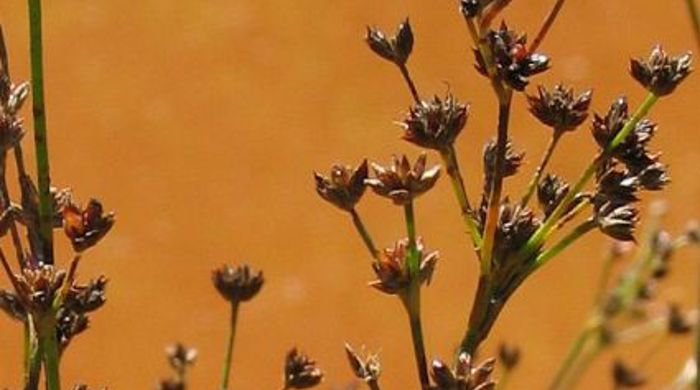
[695, 19]
[564, 243]
[604, 278]
[229, 347]
[48, 344]
[583, 204]
[449, 158]
[40, 133]
[546, 25]
[411, 301]
[6, 204]
[409, 82]
[32, 356]
[492, 12]
[573, 357]
[413, 257]
[494, 204]
[556, 136]
[536, 239]
[366, 237]
[373, 385]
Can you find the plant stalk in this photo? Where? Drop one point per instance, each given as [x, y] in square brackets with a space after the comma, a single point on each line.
[32, 356]
[411, 301]
[449, 158]
[40, 133]
[546, 25]
[48, 344]
[362, 231]
[413, 255]
[695, 19]
[564, 243]
[575, 357]
[228, 359]
[409, 82]
[532, 187]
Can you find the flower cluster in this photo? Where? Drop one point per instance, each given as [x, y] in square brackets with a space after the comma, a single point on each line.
[402, 182]
[396, 49]
[560, 108]
[435, 124]
[465, 375]
[393, 269]
[300, 371]
[661, 74]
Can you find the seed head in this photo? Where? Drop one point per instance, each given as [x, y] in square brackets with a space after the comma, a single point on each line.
[38, 285]
[560, 108]
[660, 74]
[237, 284]
[513, 161]
[625, 376]
[345, 186]
[464, 375]
[396, 49]
[469, 8]
[550, 192]
[392, 269]
[87, 298]
[514, 64]
[85, 227]
[435, 124]
[12, 306]
[180, 357]
[678, 322]
[300, 372]
[366, 368]
[402, 183]
[617, 222]
[69, 324]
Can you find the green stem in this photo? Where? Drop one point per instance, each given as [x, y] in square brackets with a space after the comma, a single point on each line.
[229, 347]
[546, 25]
[604, 279]
[695, 19]
[563, 377]
[413, 255]
[494, 204]
[48, 344]
[536, 239]
[40, 133]
[411, 301]
[449, 158]
[32, 356]
[564, 243]
[409, 82]
[532, 187]
[362, 231]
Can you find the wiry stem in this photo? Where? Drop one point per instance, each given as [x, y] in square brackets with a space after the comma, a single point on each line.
[32, 356]
[449, 158]
[409, 83]
[532, 187]
[362, 231]
[695, 19]
[546, 25]
[228, 358]
[564, 243]
[411, 301]
[48, 344]
[40, 133]
[578, 356]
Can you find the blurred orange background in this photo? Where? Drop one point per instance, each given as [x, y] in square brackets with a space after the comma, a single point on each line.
[200, 123]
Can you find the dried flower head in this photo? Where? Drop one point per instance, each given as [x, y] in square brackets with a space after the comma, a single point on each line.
[300, 372]
[625, 376]
[661, 73]
[560, 108]
[12, 306]
[237, 284]
[364, 366]
[87, 298]
[618, 222]
[516, 225]
[392, 269]
[396, 49]
[513, 62]
[12, 97]
[69, 324]
[180, 356]
[464, 376]
[513, 161]
[38, 285]
[344, 187]
[550, 192]
[85, 227]
[509, 356]
[435, 124]
[402, 183]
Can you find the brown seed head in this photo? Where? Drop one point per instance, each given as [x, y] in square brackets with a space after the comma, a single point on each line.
[513, 161]
[678, 322]
[237, 284]
[396, 49]
[300, 372]
[87, 298]
[464, 376]
[38, 285]
[625, 376]
[180, 357]
[364, 366]
[660, 74]
[392, 269]
[402, 183]
[345, 186]
[560, 108]
[86, 227]
[435, 124]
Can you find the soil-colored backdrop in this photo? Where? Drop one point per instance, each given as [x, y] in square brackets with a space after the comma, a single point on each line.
[200, 123]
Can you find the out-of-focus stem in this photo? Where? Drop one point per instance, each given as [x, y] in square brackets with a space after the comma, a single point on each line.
[449, 158]
[695, 19]
[228, 358]
[546, 25]
[532, 187]
[362, 231]
[40, 133]
[576, 358]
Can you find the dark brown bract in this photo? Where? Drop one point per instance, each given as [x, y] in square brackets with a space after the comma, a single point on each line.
[465, 375]
[365, 367]
[560, 108]
[396, 49]
[85, 227]
[300, 372]
[345, 186]
[237, 284]
[435, 124]
[661, 73]
[402, 183]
